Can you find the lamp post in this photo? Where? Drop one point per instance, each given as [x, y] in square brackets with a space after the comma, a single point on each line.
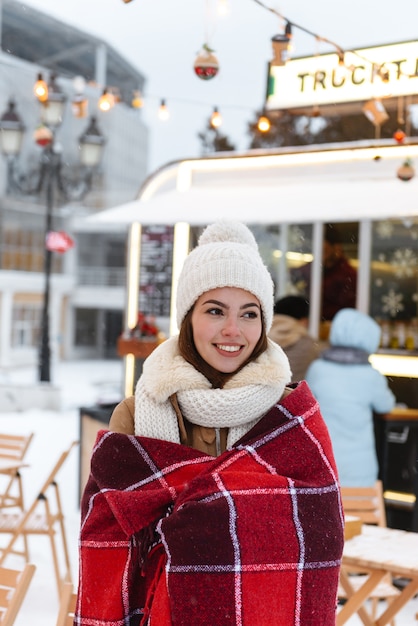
[50, 179]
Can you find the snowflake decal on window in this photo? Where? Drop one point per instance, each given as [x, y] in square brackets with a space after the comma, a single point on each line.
[297, 238]
[384, 230]
[392, 303]
[404, 262]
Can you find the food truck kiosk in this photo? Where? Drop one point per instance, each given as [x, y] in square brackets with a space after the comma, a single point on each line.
[367, 190]
[287, 196]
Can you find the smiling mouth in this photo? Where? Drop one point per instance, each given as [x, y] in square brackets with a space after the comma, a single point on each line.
[228, 348]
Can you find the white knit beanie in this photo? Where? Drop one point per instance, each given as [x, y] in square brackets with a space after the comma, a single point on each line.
[226, 256]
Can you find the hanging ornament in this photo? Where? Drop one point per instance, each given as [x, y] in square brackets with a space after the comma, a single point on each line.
[399, 136]
[206, 65]
[43, 136]
[405, 172]
[280, 44]
[79, 106]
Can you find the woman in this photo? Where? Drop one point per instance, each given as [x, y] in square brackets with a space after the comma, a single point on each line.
[349, 390]
[213, 498]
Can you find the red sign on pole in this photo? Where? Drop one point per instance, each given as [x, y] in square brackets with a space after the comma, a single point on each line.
[58, 241]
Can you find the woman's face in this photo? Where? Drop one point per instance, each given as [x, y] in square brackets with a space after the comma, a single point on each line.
[227, 324]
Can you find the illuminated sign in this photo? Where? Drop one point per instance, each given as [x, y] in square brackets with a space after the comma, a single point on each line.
[383, 72]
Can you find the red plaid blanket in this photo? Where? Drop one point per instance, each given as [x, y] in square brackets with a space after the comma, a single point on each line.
[172, 537]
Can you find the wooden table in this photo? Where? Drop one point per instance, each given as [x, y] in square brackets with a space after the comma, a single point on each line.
[379, 551]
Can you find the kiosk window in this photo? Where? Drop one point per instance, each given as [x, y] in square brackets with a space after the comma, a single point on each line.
[394, 281]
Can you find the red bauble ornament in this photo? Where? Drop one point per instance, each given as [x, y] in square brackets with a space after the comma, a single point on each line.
[206, 65]
[43, 136]
[399, 136]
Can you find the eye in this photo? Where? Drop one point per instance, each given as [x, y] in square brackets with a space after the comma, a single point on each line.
[253, 315]
[215, 311]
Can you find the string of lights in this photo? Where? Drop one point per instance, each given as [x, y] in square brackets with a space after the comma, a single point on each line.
[206, 67]
[341, 52]
[290, 24]
[43, 88]
[288, 33]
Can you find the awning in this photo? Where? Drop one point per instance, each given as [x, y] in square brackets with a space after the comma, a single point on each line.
[298, 203]
[345, 182]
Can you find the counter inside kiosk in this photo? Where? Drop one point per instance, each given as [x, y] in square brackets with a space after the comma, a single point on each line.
[397, 439]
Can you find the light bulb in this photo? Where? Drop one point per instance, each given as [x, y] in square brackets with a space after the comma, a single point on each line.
[40, 89]
[137, 101]
[223, 7]
[106, 101]
[163, 112]
[216, 118]
[263, 124]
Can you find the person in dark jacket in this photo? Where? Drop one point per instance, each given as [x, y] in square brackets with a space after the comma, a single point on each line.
[290, 330]
[339, 277]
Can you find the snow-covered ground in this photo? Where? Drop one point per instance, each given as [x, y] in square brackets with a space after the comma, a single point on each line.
[82, 383]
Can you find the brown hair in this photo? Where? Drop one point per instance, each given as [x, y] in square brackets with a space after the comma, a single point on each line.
[189, 352]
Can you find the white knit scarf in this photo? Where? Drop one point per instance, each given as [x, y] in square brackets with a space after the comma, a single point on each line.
[245, 398]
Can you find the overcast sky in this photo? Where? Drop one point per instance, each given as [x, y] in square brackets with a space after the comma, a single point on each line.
[163, 37]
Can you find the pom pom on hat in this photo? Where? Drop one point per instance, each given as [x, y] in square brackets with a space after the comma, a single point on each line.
[226, 256]
[228, 231]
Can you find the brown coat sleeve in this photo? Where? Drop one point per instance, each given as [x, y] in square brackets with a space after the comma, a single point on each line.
[122, 419]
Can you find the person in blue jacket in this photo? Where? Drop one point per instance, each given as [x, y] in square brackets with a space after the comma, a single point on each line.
[349, 390]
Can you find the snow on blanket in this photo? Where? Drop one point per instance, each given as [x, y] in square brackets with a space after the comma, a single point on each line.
[172, 537]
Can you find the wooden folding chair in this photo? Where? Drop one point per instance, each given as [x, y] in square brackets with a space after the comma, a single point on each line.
[43, 517]
[13, 587]
[367, 504]
[14, 446]
[67, 606]
[13, 449]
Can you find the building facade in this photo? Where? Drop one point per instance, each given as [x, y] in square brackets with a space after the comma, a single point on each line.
[88, 281]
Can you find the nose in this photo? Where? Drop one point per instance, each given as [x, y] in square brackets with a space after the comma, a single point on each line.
[231, 327]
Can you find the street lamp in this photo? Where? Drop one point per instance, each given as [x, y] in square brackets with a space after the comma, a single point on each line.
[50, 178]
